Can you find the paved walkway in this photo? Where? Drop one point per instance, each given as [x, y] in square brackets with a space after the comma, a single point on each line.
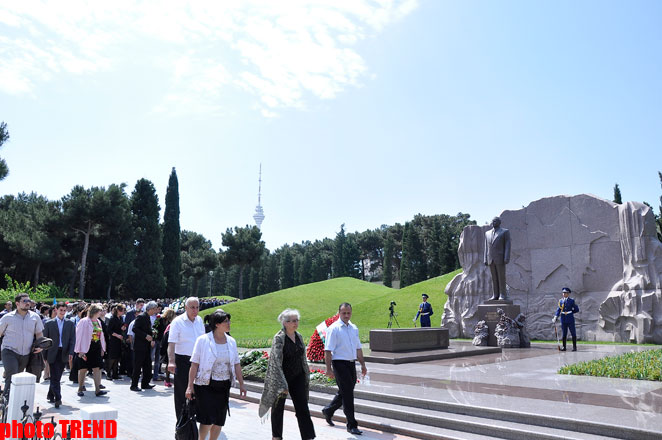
[526, 380]
[150, 415]
[523, 380]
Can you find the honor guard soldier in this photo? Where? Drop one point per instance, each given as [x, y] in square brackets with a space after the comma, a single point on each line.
[424, 311]
[567, 309]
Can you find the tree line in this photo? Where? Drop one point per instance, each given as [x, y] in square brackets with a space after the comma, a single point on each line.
[422, 248]
[97, 242]
[102, 242]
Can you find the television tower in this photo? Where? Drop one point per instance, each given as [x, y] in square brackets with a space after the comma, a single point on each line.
[259, 213]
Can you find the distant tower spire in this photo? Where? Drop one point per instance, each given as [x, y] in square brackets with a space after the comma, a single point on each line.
[259, 213]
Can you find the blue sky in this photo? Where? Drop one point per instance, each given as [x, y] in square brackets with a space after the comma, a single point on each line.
[361, 112]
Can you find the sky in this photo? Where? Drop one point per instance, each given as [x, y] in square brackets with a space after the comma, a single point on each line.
[360, 112]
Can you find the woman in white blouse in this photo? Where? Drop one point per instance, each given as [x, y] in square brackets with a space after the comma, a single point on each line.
[214, 366]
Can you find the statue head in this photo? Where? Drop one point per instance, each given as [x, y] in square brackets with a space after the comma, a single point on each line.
[496, 222]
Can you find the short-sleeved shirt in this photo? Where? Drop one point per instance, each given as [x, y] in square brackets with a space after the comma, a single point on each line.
[19, 331]
[342, 340]
[184, 332]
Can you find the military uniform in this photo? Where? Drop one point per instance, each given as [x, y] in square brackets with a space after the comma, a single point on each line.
[424, 311]
[566, 310]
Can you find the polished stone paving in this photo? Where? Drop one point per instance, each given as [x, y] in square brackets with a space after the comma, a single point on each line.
[526, 380]
[522, 380]
[150, 415]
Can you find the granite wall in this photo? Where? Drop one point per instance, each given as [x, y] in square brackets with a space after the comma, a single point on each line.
[608, 254]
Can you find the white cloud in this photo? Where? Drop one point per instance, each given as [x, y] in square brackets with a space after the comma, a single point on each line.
[283, 53]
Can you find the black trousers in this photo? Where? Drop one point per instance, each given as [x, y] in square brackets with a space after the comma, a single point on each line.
[57, 368]
[182, 367]
[297, 392]
[141, 361]
[345, 372]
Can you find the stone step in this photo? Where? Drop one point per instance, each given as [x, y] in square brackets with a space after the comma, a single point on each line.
[459, 419]
[380, 423]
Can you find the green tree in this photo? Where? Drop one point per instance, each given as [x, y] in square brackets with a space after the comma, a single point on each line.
[148, 278]
[244, 248]
[322, 259]
[172, 260]
[296, 270]
[305, 275]
[617, 194]
[84, 211]
[197, 258]
[269, 274]
[389, 247]
[28, 224]
[412, 265]
[286, 268]
[371, 244]
[346, 255]
[4, 137]
[116, 254]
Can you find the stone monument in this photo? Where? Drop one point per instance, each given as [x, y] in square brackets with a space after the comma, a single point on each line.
[607, 253]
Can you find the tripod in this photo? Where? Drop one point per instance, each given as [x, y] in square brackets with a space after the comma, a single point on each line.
[392, 317]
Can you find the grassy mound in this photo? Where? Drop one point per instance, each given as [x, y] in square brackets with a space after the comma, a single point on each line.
[254, 320]
[641, 365]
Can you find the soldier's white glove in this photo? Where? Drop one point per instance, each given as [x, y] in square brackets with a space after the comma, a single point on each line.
[413, 320]
[554, 319]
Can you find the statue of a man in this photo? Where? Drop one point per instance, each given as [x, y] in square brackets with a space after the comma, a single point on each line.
[497, 255]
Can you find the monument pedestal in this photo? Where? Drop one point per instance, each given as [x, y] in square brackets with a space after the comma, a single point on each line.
[488, 312]
[408, 339]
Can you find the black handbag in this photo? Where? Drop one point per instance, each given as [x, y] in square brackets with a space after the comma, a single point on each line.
[187, 426]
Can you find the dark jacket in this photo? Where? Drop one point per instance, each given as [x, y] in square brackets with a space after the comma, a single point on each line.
[141, 329]
[68, 339]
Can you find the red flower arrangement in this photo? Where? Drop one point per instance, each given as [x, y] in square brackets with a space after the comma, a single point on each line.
[315, 351]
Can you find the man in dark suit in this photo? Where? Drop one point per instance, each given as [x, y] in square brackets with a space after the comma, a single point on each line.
[142, 345]
[133, 314]
[497, 255]
[63, 333]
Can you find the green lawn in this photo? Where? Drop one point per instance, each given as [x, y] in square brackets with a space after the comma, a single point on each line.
[254, 320]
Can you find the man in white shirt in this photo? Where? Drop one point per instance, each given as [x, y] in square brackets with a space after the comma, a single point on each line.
[184, 330]
[341, 350]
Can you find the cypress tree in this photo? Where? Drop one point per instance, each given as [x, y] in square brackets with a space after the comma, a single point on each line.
[405, 269]
[148, 279]
[412, 265]
[286, 269]
[172, 259]
[339, 246]
[617, 194]
[4, 137]
[388, 260]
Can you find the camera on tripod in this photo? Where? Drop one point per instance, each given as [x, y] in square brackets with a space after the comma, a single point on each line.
[392, 315]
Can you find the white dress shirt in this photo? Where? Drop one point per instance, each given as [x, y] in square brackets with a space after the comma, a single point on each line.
[342, 340]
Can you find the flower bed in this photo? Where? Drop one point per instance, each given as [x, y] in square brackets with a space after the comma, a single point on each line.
[254, 367]
[642, 365]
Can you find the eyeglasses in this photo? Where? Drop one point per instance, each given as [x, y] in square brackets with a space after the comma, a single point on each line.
[292, 320]
[26, 300]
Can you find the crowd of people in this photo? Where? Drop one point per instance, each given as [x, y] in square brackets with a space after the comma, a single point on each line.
[96, 338]
[118, 339]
